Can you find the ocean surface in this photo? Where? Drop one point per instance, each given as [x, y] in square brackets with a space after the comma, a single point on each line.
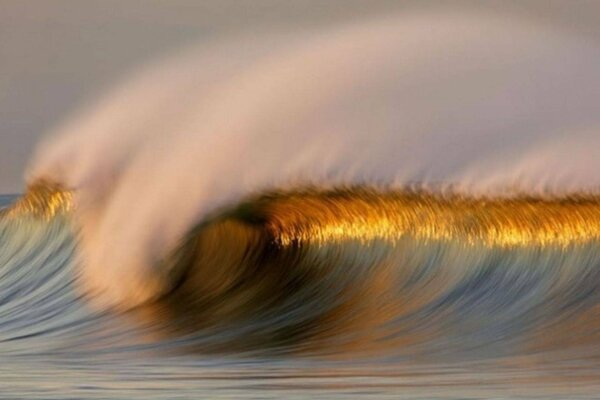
[461, 321]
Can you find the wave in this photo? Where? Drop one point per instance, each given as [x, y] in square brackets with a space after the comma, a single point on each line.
[476, 103]
[420, 186]
[402, 207]
[357, 270]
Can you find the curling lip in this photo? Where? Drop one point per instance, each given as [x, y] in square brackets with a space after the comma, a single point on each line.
[365, 214]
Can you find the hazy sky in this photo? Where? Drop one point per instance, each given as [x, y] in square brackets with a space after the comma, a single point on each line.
[57, 55]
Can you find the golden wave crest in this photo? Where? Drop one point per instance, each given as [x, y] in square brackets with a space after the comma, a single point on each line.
[365, 214]
[42, 200]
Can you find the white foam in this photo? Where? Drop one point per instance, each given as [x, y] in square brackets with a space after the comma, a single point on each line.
[482, 102]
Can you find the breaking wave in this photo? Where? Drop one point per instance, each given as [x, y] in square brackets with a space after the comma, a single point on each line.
[478, 104]
[365, 271]
[421, 188]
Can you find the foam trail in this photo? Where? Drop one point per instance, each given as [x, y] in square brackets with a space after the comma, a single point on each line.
[485, 104]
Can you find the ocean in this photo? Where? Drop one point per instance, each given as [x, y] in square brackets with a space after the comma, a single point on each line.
[388, 313]
[405, 206]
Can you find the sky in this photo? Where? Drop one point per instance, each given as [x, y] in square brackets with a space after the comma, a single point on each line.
[56, 56]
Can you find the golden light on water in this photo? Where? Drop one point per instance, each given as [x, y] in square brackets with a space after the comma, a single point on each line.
[42, 200]
[366, 214]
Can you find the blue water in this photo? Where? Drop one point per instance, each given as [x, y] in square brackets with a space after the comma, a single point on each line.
[6, 199]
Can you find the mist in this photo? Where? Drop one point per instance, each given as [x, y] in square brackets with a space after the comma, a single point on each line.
[480, 102]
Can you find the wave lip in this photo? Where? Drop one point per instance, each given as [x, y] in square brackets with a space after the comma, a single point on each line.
[368, 214]
[43, 199]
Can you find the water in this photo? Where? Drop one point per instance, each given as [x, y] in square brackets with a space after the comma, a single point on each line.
[7, 199]
[516, 323]
[405, 207]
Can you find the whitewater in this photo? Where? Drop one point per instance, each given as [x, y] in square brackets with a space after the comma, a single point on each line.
[406, 206]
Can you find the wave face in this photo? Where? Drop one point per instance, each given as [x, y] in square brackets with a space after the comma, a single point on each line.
[407, 205]
[416, 287]
[356, 271]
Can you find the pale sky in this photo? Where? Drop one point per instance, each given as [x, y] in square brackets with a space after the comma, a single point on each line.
[57, 55]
